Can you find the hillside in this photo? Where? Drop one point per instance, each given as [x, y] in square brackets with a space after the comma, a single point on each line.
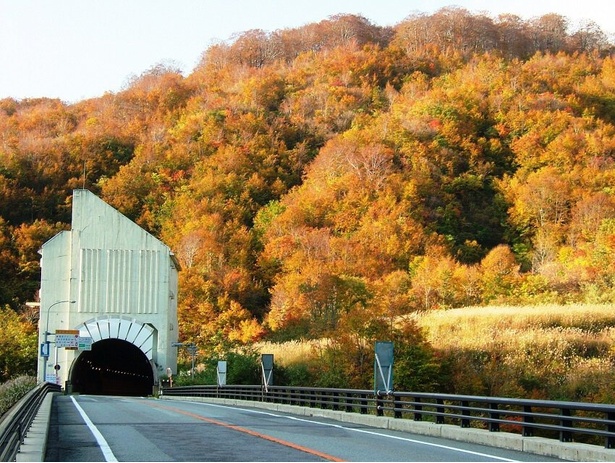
[328, 178]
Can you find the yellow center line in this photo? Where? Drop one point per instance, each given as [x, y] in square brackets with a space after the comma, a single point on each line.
[250, 432]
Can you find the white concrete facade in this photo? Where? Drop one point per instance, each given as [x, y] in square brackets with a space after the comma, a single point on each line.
[122, 282]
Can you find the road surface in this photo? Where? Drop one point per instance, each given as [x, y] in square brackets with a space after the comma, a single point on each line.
[105, 428]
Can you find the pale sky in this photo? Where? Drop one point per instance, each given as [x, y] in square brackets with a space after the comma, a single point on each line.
[78, 49]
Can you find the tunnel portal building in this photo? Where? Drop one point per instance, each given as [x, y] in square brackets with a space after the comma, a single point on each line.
[115, 285]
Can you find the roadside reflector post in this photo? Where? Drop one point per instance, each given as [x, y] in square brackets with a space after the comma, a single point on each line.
[383, 373]
[267, 371]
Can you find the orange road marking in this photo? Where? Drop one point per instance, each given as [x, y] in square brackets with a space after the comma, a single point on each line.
[326, 456]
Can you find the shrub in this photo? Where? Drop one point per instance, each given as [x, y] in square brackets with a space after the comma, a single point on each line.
[296, 374]
[13, 390]
[242, 368]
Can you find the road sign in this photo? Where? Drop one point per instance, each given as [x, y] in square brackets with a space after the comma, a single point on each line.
[222, 372]
[67, 340]
[267, 370]
[45, 349]
[383, 367]
[84, 343]
[192, 349]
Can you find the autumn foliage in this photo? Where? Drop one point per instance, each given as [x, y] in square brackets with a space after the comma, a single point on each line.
[333, 177]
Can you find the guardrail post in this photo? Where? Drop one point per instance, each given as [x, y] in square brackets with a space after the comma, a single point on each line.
[440, 412]
[494, 415]
[609, 441]
[528, 431]
[398, 405]
[379, 405]
[349, 402]
[363, 404]
[465, 422]
[336, 401]
[564, 435]
[418, 416]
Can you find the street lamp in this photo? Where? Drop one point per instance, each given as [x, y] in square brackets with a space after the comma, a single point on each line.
[45, 346]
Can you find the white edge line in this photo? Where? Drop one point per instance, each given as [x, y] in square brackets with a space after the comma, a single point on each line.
[414, 441]
[102, 443]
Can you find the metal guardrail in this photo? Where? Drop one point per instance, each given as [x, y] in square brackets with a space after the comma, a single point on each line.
[16, 422]
[566, 421]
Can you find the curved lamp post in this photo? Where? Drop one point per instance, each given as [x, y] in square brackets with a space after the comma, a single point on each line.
[45, 346]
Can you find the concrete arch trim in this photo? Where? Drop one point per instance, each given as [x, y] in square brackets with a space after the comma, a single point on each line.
[142, 335]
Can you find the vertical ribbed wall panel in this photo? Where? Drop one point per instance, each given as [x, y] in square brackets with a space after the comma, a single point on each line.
[121, 288]
[144, 289]
[129, 280]
[92, 279]
[149, 282]
[121, 281]
[109, 287]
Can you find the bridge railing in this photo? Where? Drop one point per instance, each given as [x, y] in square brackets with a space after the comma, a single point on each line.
[15, 423]
[566, 421]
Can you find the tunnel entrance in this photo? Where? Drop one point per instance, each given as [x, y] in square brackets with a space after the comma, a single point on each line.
[113, 367]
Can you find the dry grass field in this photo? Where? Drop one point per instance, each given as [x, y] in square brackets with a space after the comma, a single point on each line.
[550, 351]
[547, 351]
[289, 353]
[475, 326]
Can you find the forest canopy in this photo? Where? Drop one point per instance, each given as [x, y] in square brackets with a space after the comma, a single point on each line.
[340, 174]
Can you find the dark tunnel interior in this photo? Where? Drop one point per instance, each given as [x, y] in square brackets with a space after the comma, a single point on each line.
[113, 367]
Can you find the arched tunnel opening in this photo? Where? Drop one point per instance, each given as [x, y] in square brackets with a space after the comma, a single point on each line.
[113, 367]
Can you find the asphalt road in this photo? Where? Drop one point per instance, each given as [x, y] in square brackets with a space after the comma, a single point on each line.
[103, 428]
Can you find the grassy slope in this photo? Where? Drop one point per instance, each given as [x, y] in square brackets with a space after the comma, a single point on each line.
[548, 351]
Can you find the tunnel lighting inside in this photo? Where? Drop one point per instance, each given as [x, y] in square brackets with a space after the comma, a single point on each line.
[113, 367]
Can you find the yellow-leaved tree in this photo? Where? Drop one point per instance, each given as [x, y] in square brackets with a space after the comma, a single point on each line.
[18, 348]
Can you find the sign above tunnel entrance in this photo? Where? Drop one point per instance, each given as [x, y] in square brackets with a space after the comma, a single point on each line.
[70, 340]
[84, 343]
[67, 338]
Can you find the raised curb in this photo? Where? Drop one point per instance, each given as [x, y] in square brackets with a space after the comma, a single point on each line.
[35, 443]
[571, 451]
